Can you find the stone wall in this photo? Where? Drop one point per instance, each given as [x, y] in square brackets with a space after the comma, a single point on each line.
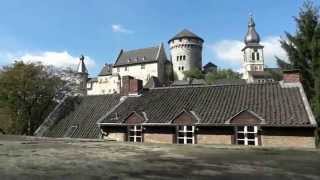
[288, 141]
[158, 138]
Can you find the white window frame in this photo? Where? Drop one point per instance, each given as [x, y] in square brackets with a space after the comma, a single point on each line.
[134, 129]
[184, 130]
[245, 133]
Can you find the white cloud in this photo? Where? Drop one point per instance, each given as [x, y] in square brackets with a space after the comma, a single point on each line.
[118, 28]
[58, 59]
[230, 50]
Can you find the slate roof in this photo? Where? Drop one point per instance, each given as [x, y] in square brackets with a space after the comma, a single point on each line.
[215, 105]
[185, 33]
[138, 56]
[87, 110]
[191, 82]
[106, 70]
[229, 82]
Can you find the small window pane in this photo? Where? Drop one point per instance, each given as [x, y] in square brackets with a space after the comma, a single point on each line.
[189, 141]
[189, 134]
[251, 136]
[138, 133]
[241, 142]
[138, 139]
[189, 128]
[240, 136]
[251, 143]
[131, 139]
[181, 127]
[131, 133]
[180, 141]
[250, 128]
[241, 128]
[181, 134]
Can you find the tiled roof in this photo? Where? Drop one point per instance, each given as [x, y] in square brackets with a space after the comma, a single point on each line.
[229, 82]
[87, 110]
[106, 70]
[186, 34]
[277, 105]
[145, 55]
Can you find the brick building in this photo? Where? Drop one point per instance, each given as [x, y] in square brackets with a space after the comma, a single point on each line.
[260, 114]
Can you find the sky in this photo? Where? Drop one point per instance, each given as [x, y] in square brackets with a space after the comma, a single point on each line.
[57, 32]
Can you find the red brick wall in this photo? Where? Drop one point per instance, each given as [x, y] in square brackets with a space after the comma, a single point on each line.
[245, 118]
[134, 119]
[184, 118]
[291, 77]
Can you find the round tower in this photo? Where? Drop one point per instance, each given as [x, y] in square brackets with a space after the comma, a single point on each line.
[186, 53]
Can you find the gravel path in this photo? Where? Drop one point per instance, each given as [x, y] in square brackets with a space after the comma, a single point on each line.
[37, 158]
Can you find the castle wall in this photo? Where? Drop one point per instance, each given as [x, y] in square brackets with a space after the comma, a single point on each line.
[191, 49]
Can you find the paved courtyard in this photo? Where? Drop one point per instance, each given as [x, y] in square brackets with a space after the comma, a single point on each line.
[30, 158]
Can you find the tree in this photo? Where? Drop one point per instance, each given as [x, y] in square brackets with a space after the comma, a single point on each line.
[222, 74]
[28, 91]
[303, 50]
[194, 73]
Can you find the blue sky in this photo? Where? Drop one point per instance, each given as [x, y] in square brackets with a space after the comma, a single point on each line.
[58, 31]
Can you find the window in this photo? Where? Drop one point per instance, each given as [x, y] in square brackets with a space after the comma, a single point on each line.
[247, 135]
[185, 135]
[182, 68]
[126, 68]
[253, 56]
[135, 134]
[184, 57]
[142, 66]
[177, 58]
[258, 56]
[118, 69]
[179, 68]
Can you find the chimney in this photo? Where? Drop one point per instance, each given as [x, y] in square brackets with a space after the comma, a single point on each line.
[131, 86]
[292, 76]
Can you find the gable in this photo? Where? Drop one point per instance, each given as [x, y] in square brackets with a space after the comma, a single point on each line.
[245, 117]
[184, 118]
[134, 118]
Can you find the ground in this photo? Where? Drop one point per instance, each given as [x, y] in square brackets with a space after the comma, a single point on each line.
[38, 158]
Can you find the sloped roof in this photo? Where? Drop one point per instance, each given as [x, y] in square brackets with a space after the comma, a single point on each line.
[84, 115]
[214, 105]
[185, 33]
[138, 56]
[106, 70]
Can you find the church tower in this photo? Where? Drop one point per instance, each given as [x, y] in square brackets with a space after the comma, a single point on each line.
[253, 59]
[186, 53]
[82, 77]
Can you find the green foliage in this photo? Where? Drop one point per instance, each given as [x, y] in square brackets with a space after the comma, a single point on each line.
[194, 74]
[303, 50]
[222, 74]
[28, 91]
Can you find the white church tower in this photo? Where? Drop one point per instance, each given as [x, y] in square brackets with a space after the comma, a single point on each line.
[186, 53]
[253, 60]
[82, 77]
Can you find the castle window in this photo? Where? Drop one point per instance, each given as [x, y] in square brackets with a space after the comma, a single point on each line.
[126, 68]
[142, 66]
[182, 68]
[179, 68]
[177, 58]
[185, 135]
[253, 56]
[258, 56]
[135, 134]
[247, 135]
[184, 57]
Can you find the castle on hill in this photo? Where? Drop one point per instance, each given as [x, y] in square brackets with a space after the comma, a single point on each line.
[152, 66]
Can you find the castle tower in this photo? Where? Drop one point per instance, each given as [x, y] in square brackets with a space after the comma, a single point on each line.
[82, 77]
[253, 59]
[186, 53]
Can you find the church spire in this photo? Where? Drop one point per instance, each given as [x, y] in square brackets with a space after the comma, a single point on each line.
[252, 37]
[81, 66]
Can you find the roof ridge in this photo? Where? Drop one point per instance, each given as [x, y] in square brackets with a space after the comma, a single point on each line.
[214, 85]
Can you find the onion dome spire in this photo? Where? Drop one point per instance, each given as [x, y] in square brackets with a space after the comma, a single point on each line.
[81, 66]
[252, 37]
